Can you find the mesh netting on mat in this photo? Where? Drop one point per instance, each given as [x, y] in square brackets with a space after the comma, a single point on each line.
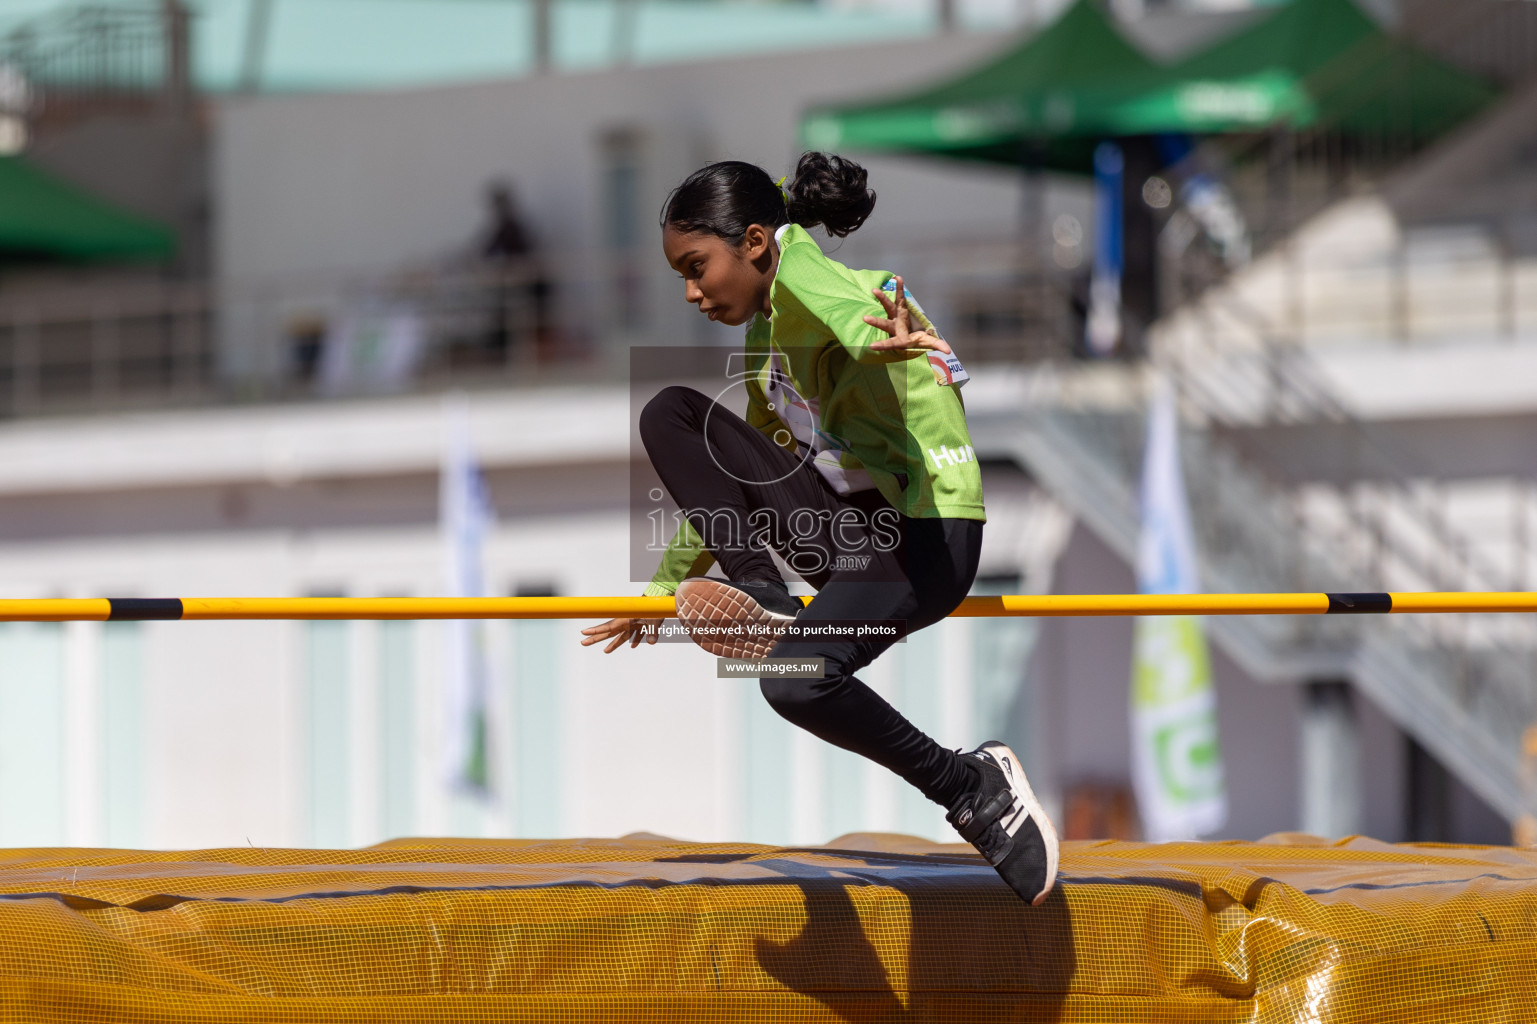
[868, 928]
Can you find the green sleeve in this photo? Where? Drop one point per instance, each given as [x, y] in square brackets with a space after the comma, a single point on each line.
[826, 296]
[685, 556]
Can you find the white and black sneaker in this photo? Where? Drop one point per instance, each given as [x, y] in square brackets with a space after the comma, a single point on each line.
[735, 619]
[1004, 821]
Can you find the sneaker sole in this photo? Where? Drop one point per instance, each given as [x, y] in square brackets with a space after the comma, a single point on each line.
[708, 603]
[1021, 787]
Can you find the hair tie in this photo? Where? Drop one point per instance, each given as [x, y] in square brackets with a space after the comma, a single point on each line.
[780, 184]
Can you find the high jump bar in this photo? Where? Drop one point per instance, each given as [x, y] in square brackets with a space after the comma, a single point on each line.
[103, 609]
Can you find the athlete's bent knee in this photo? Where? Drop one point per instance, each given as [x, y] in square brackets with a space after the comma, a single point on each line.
[668, 407]
[783, 694]
[792, 697]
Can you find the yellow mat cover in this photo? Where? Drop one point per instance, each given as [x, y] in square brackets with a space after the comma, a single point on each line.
[868, 928]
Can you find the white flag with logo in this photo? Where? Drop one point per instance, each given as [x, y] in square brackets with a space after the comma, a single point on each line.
[1176, 761]
[463, 513]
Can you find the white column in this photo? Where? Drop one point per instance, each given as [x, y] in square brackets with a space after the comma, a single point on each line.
[882, 811]
[431, 792]
[957, 697]
[728, 775]
[82, 733]
[958, 702]
[1331, 760]
[807, 783]
[364, 728]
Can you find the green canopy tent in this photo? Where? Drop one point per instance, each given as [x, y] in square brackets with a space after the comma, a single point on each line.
[42, 217]
[1314, 63]
[1037, 92]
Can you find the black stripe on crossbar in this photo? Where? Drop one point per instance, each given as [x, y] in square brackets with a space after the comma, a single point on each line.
[143, 609]
[1360, 604]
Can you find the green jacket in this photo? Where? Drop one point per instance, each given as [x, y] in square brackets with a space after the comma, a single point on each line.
[813, 382]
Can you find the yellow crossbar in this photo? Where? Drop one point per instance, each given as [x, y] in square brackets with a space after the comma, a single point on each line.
[86, 609]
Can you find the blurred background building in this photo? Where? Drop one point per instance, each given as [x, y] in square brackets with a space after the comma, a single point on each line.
[246, 246]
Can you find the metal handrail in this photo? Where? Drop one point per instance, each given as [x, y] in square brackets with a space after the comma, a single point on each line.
[1478, 668]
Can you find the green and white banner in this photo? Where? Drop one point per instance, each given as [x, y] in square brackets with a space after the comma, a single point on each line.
[1176, 759]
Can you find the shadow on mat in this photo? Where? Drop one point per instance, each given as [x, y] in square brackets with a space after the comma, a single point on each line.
[979, 940]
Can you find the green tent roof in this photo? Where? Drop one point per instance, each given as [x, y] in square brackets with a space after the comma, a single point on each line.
[1313, 62]
[1037, 90]
[41, 216]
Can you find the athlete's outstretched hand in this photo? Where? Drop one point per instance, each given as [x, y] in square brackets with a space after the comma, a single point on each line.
[620, 630]
[898, 323]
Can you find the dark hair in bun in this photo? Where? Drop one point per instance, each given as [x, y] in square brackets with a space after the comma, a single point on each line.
[832, 192]
[724, 199]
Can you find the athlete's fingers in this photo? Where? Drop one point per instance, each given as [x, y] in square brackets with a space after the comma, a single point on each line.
[899, 332]
[898, 323]
[886, 304]
[620, 632]
[641, 629]
[906, 339]
[922, 339]
[603, 631]
[589, 641]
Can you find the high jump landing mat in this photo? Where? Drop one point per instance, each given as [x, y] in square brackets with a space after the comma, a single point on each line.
[868, 928]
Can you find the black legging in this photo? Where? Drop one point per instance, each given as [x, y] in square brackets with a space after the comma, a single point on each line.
[740, 490]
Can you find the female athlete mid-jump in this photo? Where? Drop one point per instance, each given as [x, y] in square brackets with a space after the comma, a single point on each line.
[854, 464]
